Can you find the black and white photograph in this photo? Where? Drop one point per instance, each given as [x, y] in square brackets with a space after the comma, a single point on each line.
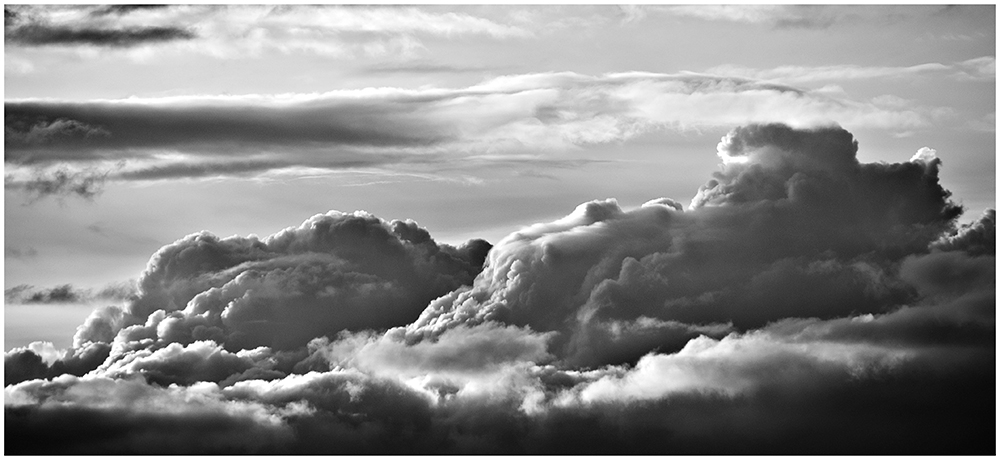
[499, 229]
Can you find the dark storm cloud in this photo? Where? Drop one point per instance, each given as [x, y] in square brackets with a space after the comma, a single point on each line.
[803, 303]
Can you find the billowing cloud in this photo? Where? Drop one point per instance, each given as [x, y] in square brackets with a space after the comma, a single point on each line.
[827, 233]
[336, 271]
[803, 302]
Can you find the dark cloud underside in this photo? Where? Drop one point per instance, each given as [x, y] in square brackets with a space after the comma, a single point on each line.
[43, 35]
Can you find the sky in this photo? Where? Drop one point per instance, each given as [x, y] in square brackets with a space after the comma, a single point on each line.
[499, 229]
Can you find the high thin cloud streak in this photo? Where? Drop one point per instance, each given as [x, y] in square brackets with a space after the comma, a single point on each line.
[198, 136]
[801, 302]
[235, 30]
[978, 69]
[793, 16]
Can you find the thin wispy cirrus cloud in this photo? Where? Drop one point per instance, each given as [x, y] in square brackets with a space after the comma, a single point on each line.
[233, 30]
[978, 69]
[803, 272]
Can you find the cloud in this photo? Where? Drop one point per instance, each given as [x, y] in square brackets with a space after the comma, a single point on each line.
[41, 35]
[975, 238]
[246, 30]
[60, 181]
[130, 416]
[827, 233]
[126, 9]
[67, 293]
[424, 67]
[796, 16]
[979, 69]
[802, 303]
[19, 253]
[515, 118]
[336, 271]
[42, 131]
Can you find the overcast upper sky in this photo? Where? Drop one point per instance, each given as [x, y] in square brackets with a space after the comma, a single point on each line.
[689, 194]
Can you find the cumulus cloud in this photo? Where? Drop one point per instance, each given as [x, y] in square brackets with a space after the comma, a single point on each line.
[800, 302]
[336, 271]
[827, 234]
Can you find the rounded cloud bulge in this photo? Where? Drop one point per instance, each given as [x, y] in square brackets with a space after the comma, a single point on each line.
[796, 287]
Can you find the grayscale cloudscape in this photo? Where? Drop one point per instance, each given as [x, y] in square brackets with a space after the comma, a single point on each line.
[796, 278]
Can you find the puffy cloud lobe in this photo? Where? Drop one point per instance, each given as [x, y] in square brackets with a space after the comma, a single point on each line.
[793, 226]
[801, 300]
[43, 361]
[334, 272]
[975, 238]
